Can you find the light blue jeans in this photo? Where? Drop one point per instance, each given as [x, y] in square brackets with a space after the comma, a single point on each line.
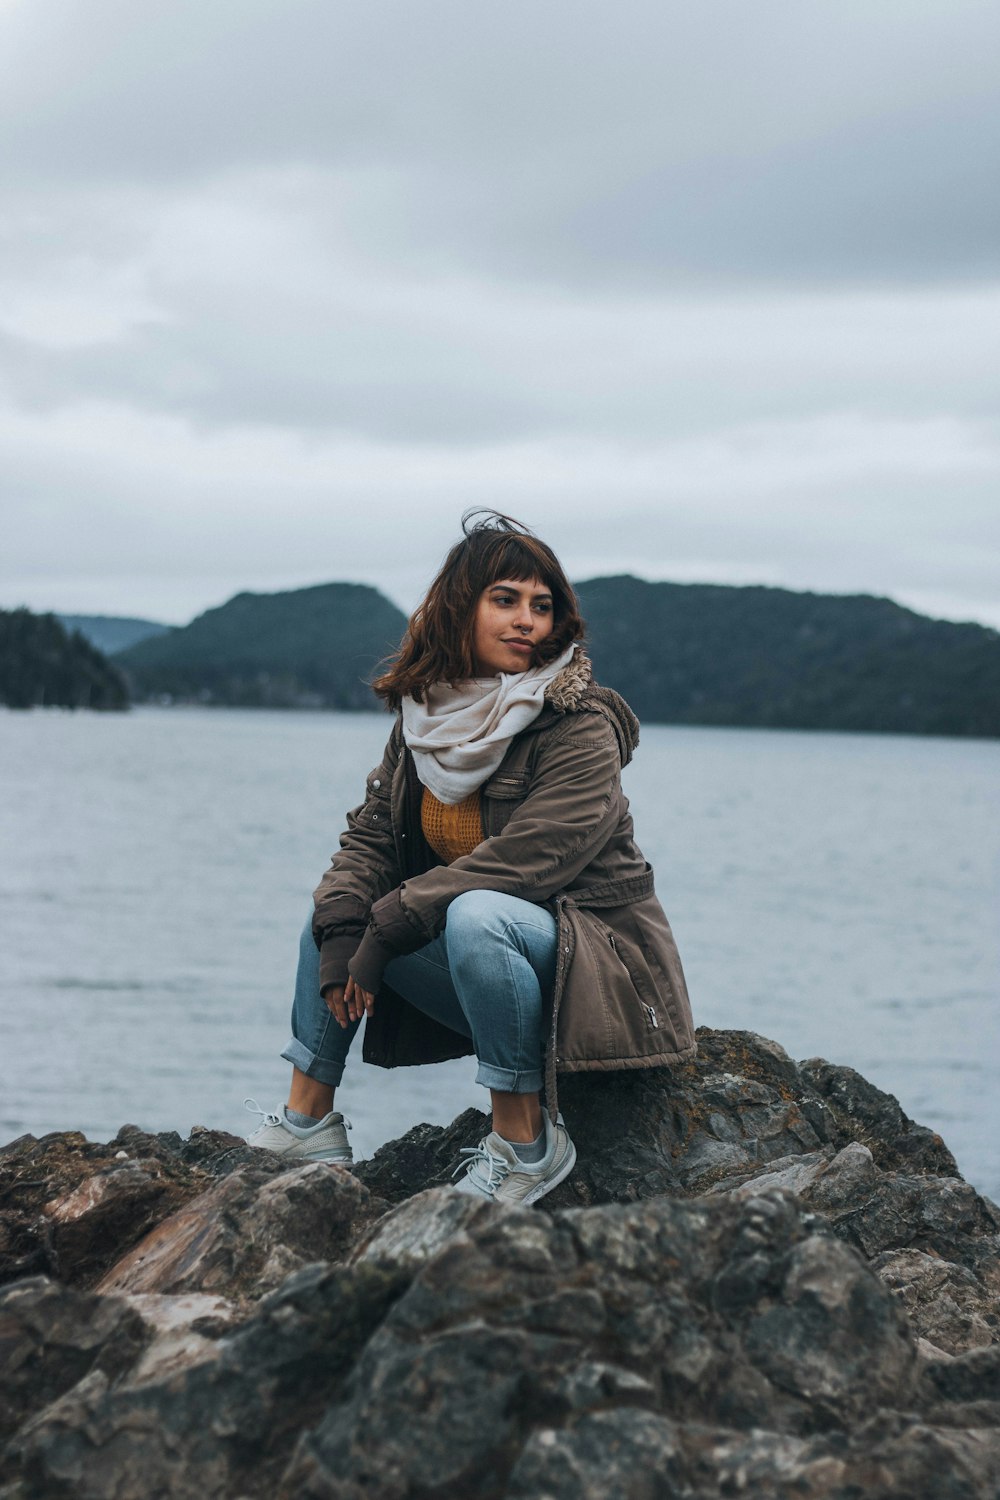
[488, 976]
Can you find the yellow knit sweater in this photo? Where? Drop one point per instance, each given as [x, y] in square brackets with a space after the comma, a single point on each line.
[451, 831]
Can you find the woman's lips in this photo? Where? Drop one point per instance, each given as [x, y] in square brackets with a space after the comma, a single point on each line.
[518, 645]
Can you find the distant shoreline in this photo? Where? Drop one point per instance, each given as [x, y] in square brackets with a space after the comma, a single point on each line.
[698, 654]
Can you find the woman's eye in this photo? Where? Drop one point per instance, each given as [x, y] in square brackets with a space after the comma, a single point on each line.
[507, 601]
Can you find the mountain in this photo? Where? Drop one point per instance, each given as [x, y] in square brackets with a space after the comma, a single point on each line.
[308, 648]
[111, 633]
[680, 653]
[768, 657]
[43, 665]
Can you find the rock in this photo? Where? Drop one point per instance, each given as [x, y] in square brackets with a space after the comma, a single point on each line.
[849, 1175]
[626, 1452]
[947, 1303]
[862, 1112]
[937, 1214]
[796, 1174]
[425, 1157]
[248, 1232]
[180, 1328]
[973, 1377]
[964, 1391]
[947, 1271]
[419, 1229]
[832, 1337]
[892, 1460]
[762, 1280]
[220, 1424]
[52, 1336]
[69, 1207]
[722, 1311]
[917, 1459]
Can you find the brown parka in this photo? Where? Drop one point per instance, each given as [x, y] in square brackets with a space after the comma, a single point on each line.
[557, 831]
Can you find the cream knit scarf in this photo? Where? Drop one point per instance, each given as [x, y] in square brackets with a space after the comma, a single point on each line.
[459, 734]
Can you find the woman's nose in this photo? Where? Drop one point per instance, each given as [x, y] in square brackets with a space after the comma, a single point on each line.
[525, 620]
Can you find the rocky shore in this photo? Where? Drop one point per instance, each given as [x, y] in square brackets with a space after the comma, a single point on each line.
[763, 1280]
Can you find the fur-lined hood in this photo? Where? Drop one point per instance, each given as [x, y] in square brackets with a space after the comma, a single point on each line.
[573, 690]
[567, 688]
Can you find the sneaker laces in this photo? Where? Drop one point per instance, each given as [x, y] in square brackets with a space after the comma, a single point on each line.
[268, 1116]
[497, 1167]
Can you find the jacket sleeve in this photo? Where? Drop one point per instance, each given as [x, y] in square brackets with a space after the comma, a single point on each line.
[364, 868]
[568, 815]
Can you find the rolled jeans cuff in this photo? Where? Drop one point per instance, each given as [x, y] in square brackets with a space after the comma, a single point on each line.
[508, 1081]
[320, 1068]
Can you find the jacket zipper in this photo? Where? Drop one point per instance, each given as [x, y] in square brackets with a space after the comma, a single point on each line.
[650, 1012]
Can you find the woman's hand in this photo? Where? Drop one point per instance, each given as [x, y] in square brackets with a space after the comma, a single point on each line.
[349, 1002]
[359, 1002]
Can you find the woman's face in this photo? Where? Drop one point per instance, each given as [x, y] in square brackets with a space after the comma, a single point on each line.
[511, 619]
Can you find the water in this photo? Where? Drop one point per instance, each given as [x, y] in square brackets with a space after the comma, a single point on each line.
[836, 892]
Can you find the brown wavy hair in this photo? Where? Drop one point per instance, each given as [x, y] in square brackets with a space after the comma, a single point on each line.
[437, 646]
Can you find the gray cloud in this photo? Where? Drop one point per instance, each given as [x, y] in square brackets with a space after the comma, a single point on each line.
[701, 291]
[563, 141]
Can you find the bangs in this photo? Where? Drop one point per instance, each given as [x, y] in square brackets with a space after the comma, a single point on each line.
[518, 561]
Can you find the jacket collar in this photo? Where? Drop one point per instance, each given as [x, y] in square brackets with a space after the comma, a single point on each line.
[574, 689]
[567, 688]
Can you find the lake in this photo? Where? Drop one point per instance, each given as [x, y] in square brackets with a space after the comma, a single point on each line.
[838, 893]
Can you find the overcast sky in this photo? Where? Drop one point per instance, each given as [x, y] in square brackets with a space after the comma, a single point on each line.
[702, 291]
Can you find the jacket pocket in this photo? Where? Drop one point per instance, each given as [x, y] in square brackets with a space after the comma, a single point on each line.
[501, 797]
[376, 810]
[639, 975]
[610, 1009]
[507, 786]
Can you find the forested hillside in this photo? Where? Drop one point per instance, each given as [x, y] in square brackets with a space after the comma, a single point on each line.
[43, 665]
[710, 654]
[309, 648]
[680, 653]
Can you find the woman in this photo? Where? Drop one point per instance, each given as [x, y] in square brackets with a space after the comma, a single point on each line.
[488, 895]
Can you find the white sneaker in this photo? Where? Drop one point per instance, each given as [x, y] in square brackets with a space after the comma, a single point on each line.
[495, 1170]
[324, 1141]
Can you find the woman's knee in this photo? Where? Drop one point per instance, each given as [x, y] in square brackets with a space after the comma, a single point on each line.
[474, 912]
[483, 927]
